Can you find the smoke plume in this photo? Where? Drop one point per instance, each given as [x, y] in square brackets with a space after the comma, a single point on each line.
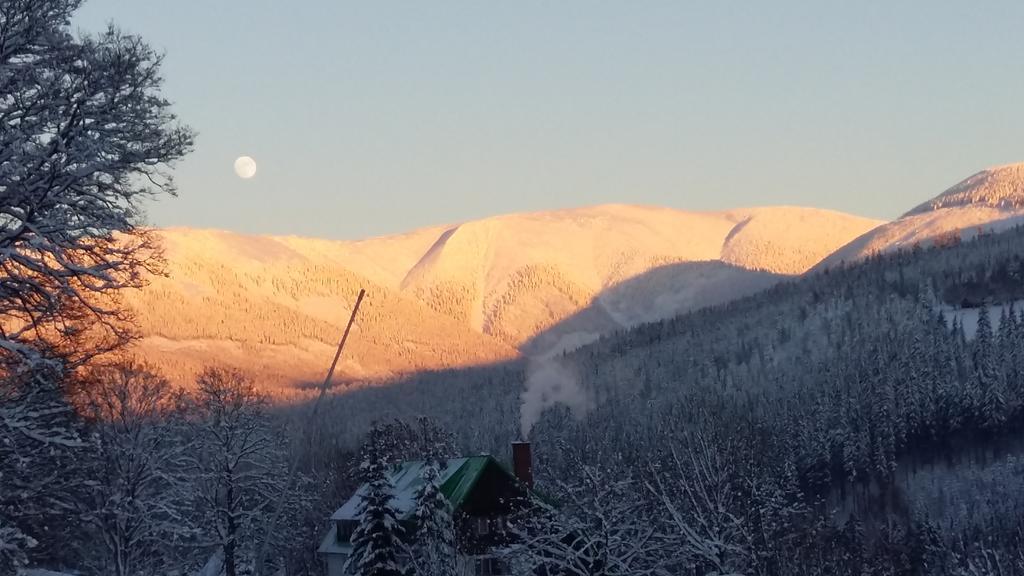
[550, 381]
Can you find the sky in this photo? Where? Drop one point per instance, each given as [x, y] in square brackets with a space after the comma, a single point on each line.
[378, 117]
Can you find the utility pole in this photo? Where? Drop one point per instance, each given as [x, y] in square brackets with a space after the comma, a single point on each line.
[261, 557]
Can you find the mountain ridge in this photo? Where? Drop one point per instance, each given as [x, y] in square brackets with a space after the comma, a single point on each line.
[489, 290]
[987, 201]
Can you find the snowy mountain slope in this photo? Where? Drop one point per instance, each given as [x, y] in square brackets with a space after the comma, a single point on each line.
[513, 276]
[276, 307]
[991, 200]
[789, 239]
[999, 187]
[464, 294]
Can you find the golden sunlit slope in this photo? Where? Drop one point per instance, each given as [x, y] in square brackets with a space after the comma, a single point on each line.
[459, 295]
[276, 307]
[789, 239]
[991, 200]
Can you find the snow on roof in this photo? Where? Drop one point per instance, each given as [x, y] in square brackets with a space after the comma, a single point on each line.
[457, 479]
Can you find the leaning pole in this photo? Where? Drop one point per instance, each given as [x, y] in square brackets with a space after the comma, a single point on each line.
[313, 414]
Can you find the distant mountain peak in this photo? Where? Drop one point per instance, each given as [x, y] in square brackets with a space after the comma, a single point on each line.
[1000, 187]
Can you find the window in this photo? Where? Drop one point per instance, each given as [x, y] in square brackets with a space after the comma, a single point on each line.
[481, 526]
[488, 566]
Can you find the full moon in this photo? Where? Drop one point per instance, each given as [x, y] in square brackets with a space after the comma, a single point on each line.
[245, 167]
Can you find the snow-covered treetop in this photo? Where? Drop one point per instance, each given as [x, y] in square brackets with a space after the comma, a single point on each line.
[999, 187]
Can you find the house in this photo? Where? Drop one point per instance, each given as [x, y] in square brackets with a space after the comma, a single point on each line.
[483, 494]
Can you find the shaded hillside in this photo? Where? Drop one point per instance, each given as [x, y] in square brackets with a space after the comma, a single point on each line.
[841, 378]
[661, 292]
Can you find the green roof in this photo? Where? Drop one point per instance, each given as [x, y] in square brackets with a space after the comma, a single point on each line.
[458, 478]
[458, 486]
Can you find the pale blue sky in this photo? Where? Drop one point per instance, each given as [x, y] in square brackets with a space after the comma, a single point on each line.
[377, 117]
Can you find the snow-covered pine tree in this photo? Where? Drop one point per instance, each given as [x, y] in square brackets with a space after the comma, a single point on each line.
[987, 380]
[983, 336]
[1006, 341]
[377, 539]
[434, 550]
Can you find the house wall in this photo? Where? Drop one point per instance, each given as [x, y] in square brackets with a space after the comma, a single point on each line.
[495, 497]
[336, 564]
[465, 566]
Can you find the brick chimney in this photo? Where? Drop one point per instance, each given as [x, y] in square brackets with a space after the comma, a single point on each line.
[522, 463]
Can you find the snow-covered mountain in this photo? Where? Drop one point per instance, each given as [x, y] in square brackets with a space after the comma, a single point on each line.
[990, 200]
[274, 307]
[471, 293]
[491, 289]
[514, 276]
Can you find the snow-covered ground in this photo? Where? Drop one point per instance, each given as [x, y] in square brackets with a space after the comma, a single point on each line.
[969, 316]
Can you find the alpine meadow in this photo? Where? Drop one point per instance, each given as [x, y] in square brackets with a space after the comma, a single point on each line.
[468, 289]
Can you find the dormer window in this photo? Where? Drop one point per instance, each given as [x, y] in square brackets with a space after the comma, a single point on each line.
[345, 529]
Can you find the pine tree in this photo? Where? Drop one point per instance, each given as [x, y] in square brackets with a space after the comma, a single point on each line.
[989, 387]
[434, 552]
[1007, 344]
[376, 541]
[983, 336]
[926, 550]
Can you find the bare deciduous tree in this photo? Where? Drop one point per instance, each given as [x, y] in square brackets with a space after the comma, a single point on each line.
[240, 467]
[139, 470]
[85, 136]
[600, 524]
[40, 445]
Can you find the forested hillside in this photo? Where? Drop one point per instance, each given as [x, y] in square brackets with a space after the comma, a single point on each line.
[274, 310]
[887, 420]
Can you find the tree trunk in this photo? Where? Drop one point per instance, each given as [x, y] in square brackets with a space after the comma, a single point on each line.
[232, 529]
